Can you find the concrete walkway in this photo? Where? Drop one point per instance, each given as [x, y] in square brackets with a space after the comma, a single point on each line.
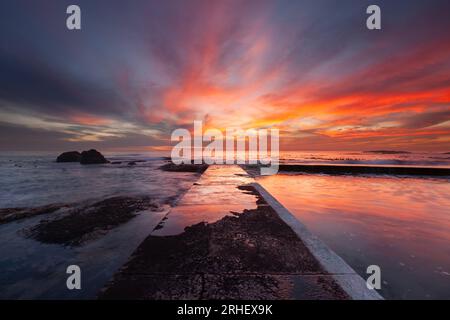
[229, 239]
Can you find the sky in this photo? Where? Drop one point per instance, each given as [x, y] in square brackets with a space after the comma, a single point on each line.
[137, 70]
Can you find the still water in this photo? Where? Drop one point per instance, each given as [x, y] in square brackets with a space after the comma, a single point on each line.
[399, 224]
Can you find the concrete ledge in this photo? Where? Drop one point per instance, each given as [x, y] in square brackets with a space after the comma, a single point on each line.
[352, 283]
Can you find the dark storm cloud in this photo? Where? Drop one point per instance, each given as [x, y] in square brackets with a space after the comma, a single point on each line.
[36, 86]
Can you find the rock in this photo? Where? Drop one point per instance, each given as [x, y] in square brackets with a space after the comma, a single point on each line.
[86, 222]
[71, 156]
[12, 214]
[200, 168]
[132, 163]
[92, 157]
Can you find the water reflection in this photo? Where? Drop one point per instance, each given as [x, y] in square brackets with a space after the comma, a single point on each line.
[400, 224]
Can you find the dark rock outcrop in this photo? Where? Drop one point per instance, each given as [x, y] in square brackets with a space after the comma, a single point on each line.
[92, 157]
[71, 156]
[200, 168]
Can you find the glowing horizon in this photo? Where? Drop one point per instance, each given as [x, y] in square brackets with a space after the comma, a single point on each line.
[310, 70]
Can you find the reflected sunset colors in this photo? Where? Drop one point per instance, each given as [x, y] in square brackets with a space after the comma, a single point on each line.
[400, 224]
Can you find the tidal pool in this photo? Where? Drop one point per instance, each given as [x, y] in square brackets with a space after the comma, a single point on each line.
[401, 224]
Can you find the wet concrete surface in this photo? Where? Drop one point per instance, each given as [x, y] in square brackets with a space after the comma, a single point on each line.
[222, 241]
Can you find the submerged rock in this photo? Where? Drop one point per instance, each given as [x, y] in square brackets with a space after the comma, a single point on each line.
[71, 156]
[12, 214]
[87, 222]
[92, 157]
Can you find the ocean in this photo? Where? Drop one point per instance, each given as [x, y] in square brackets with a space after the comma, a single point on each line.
[400, 223]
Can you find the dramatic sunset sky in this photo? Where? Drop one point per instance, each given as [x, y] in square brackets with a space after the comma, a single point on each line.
[139, 69]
